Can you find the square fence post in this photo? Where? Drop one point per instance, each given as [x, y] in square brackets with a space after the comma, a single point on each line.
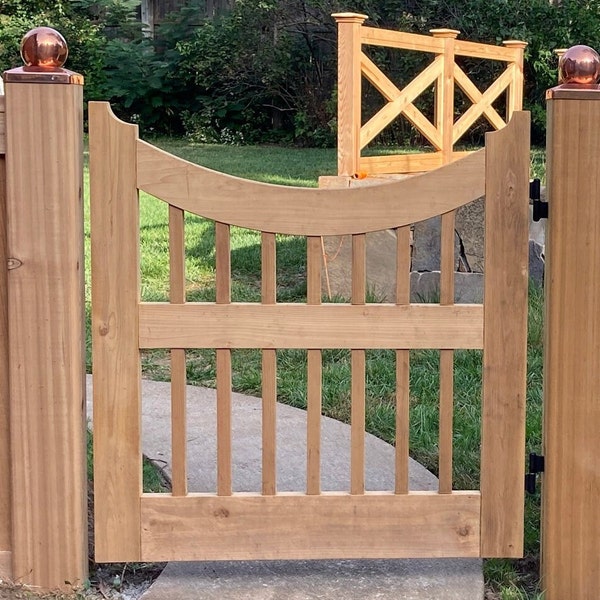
[46, 335]
[571, 480]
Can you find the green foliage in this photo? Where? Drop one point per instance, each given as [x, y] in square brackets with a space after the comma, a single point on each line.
[265, 71]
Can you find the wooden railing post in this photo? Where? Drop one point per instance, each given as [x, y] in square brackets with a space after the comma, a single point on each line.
[444, 98]
[44, 153]
[514, 99]
[349, 91]
[571, 480]
[5, 488]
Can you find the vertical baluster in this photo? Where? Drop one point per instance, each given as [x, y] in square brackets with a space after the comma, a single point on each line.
[223, 285]
[402, 364]
[446, 357]
[314, 394]
[178, 366]
[269, 371]
[357, 450]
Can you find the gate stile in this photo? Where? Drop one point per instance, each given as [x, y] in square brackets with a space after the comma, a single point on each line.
[133, 526]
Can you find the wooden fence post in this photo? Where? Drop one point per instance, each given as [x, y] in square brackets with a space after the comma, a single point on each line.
[349, 91]
[44, 116]
[514, 100]
[5, 488]
[571, 480]
[444, 94]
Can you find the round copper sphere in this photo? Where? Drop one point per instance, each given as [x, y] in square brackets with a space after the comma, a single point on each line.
[45, 48]
[579, 64]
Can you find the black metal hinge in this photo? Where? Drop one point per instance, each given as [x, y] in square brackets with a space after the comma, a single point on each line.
[540, 209]
[536, 465]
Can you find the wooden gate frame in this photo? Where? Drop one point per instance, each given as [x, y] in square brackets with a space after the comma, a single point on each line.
[133, 526]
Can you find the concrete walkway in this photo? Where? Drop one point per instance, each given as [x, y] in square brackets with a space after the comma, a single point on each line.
[440, 579]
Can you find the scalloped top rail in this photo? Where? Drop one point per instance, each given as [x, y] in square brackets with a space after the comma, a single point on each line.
[301, 211]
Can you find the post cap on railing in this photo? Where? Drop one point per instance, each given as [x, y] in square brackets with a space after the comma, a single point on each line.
[44, 52]
[515, 44]
[349, 17]
[444, 33]
[578, 72]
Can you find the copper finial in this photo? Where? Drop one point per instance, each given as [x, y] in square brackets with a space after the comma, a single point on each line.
[579, 65]
[44, 48]
[44, 52]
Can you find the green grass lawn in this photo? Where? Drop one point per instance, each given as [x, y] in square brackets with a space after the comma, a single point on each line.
[511, 580]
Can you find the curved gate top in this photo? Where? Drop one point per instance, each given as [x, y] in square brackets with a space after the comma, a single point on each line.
[315, 522]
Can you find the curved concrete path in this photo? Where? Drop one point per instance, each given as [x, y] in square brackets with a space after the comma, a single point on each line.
[448, 579]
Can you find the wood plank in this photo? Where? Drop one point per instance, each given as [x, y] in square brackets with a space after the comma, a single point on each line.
[446, 418]
[115, 295]
[417, 525]
[400, 39]
[5, 476]
[223, 298]
[349, 94]
[224, 423]
[401, 163]
[487, 51]
[505, 339]
[269, 370]
[178, 359]
[447, 268]
[394, 108]
[178, 423]
[314, 374]
[303, 211]
[223, 263]
[269, 421]
[44, 214]
[357, 433]
[571, 485]
[206, 325]
[358, 373]
[403, 257]
[313, 417]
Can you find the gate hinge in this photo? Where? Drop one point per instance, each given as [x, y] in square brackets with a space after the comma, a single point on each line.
[540, 209]
[536, 465]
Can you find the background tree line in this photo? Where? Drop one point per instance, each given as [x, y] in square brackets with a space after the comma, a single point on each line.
[265, 70]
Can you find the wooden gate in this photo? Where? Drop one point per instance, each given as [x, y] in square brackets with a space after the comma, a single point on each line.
[134, 526]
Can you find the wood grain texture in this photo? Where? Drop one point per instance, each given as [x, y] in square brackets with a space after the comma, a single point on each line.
[303, 211]
[571, 481]
[240, 325]
[403, 257]
[115, 296]
[349, 94]
[224, 429]
[402, 40]
[44, 210]
[178, 359]
[269, 370]
[269, 422]
[178, 423]
[486, 51]
[505, 339]
[446, 420]
[5, 475]
[417, 525]
[314, 373]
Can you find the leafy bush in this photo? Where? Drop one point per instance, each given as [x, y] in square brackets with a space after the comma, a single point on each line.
[266, 70]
